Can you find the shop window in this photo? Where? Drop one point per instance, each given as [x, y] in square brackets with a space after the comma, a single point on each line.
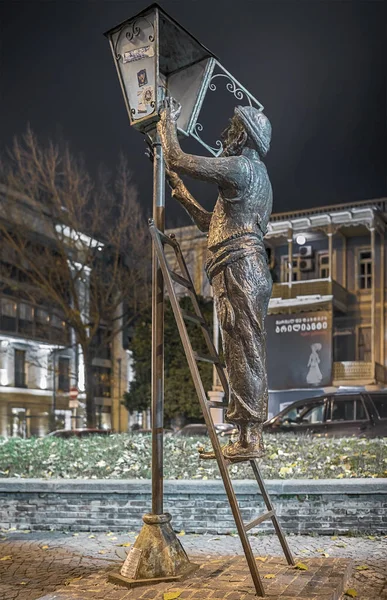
[20, 368]
[365, 270]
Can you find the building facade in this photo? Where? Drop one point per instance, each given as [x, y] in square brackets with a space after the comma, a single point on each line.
[326, 325]
[40, 360]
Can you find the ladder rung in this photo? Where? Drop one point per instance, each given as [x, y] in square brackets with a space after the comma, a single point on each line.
[166, 239]
[259, 520]
[214, 360]
[215, 404]
[181, 280]
[188, 316]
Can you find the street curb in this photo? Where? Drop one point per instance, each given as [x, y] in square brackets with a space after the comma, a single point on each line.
[276, 487]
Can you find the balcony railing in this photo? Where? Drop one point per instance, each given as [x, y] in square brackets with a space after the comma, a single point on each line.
[26, 320]
[357, 372]
[313, 287]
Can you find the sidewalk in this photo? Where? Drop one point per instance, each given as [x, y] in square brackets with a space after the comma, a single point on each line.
[37, 565]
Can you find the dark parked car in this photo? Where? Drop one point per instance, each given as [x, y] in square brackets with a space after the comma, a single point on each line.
[361, 414]
[66, 433]
[201, 429]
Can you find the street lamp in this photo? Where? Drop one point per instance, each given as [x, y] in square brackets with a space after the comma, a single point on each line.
[155, 57]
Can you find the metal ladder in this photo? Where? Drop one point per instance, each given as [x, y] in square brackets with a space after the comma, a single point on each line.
[181, 316]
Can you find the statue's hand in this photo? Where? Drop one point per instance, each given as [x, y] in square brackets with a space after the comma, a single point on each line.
[171, 111]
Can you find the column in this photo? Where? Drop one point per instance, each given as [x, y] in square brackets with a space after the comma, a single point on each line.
[330, 250]
[373, 289]
[290, 256]
[382, 297]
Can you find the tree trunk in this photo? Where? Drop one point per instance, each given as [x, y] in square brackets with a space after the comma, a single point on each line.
[91, 417]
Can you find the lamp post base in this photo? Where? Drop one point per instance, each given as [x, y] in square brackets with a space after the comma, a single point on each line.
[156, 556]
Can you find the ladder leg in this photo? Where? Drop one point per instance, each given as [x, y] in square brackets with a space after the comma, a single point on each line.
[274, 518]
[207, 415]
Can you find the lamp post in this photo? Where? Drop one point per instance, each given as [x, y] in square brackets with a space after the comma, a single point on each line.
[154, 57]
[153, 54]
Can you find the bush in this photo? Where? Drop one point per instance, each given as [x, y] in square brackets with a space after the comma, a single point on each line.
[124, 456]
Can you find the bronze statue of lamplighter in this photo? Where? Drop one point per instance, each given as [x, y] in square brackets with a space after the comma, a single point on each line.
[236, 259]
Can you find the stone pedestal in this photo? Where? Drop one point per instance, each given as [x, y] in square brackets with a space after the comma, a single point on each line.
[156, 556]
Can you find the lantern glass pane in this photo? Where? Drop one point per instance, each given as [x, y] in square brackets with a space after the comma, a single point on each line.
[185, 86]
[135, 49]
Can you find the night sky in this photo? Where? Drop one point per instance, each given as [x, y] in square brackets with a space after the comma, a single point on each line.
[318, 67]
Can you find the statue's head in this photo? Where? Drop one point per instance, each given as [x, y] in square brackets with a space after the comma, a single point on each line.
[249, 127]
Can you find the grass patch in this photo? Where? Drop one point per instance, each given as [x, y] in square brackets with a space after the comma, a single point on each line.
[127, 456]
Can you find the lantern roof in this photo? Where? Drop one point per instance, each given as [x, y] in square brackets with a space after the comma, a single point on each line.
[178, 48]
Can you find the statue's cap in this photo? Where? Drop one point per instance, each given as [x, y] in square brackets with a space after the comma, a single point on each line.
[257, 125]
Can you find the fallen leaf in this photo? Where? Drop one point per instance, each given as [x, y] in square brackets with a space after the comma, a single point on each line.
[91, 537]
[8, 557]
[301, 566]
[182, 532]
[341, 545]
[261, 558]
[325, 554]
[102, 552]
[75, 534]
[371, 537]
[171, 595]
[125, 544]
[351, 592]
[334, 537]
[362, 568]
[44, 547]
[23, 583]
[269, 576]
[320, 550]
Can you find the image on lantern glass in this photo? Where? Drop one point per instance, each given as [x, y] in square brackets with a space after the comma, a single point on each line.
[142, 78]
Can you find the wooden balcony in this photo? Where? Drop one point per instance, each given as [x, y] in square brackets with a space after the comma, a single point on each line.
[322, 288]
[358, 373]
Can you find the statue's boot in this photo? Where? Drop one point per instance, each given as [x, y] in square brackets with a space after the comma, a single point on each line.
[248, 446]
[210, 455]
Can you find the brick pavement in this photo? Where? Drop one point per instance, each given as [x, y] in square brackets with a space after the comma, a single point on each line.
[44, 565]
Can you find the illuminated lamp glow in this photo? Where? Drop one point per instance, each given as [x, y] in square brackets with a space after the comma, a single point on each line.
[300, 239]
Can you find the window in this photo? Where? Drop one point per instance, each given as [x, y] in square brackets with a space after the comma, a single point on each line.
[291, 416]
[365, 270]
[348, 409]
[20, 368]
[8, 314]
[380, 402]
[102, 382]
[64, 374]
[26, 318]
[364, 344]
[313, 415]
[323, 265]
[296, 273]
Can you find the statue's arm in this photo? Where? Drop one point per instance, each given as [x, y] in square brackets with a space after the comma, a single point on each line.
[228, 173]
[198, 214]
